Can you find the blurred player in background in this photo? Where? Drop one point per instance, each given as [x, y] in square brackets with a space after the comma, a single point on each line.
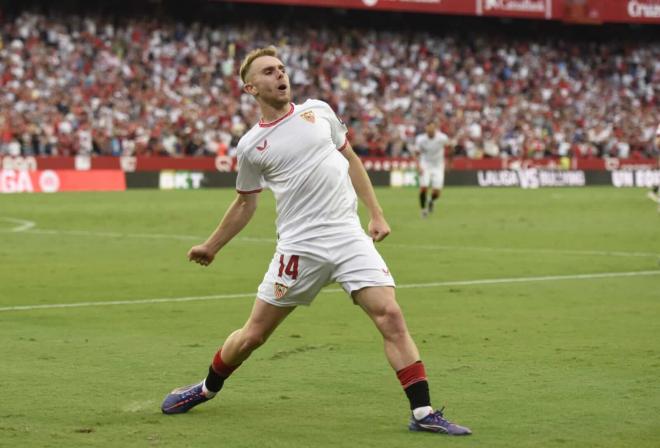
[654, 194]
[300, 152]
[429, 150]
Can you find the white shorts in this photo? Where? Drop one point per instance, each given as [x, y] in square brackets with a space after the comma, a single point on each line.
[296, 276]
[433, 177]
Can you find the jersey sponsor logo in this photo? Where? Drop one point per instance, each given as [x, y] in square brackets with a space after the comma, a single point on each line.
[280, 290]
[263, 147]
[309, 116]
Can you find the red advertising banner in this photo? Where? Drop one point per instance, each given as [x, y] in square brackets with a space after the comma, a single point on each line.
[128, 164]
[612, 164]
[632, 11]
[531, 9]
[465, 7]
[50, 181]
[227, 164]
[577, 11]
[623, 11]
[528, 9]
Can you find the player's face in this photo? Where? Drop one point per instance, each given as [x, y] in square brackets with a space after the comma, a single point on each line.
[268, 81]
[430, 129]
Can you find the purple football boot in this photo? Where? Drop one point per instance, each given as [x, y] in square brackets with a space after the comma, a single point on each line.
[183, 399]
[436, 422]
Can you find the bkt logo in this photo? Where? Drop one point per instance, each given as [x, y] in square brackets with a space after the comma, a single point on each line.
[180, 180]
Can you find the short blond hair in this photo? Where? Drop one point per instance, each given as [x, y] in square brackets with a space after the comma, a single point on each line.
[254, 54]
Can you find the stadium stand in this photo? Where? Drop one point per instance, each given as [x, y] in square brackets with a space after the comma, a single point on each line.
[85, 84]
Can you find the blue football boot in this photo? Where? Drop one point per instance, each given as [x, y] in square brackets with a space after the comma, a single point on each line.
[436, 422]
[183, 399]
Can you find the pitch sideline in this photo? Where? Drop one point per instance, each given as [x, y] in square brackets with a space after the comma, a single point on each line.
[23, 224]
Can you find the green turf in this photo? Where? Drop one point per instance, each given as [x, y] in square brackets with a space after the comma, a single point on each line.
[563, 363]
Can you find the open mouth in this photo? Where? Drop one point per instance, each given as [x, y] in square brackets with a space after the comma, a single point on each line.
[282, 87]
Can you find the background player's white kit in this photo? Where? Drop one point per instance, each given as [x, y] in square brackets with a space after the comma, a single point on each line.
[430, 151]
[431, 159]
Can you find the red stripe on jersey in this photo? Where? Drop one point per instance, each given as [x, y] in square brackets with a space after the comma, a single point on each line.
[249, 192]
[412, 374]
[342, 147]
[273, 123]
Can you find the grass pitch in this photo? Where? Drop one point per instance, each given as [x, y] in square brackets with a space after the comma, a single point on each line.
[523, 359]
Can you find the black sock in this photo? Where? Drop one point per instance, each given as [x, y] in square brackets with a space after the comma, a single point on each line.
[214, 382]
[418, 394]
[422, 199]
[434, 196]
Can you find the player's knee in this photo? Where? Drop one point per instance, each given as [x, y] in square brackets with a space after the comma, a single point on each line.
[253, 340]
[392, 323]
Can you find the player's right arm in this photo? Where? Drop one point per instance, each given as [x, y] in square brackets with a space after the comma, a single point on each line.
[236, 218]
[239, 213]
[414, 148]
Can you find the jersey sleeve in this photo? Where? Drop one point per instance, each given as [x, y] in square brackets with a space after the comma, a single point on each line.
[249, 179]
[417, 146]
[338, 129]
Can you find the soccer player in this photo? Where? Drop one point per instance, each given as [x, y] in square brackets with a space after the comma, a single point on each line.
[429, 149]
[654, 194]
[301, 153]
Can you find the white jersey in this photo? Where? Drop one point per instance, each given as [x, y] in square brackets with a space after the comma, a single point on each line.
[431, 150]
[299, 158]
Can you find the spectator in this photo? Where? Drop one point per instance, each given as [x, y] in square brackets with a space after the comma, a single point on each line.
[84, 85]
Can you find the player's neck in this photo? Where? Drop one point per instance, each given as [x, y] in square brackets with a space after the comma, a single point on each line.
[273, 112]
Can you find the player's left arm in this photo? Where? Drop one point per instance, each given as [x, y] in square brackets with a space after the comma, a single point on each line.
[378, 227]
[448, 155]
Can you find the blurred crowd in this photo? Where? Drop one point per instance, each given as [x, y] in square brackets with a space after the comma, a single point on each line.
[83, 85]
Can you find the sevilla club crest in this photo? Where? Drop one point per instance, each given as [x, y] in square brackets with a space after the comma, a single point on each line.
[309, 116]
[280, 290]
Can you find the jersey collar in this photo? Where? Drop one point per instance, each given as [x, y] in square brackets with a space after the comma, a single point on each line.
[273, 123]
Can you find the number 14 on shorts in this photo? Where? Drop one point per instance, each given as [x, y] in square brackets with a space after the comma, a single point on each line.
[289, 268]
